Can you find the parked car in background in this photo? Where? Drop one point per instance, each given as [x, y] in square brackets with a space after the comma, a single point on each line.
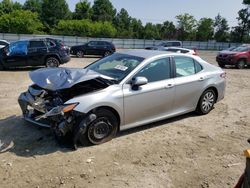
[100, 48]
[34, 52]
[238, 57]
[165, 44]
[180, 50]
[121, 91]
[3, 43]
[230, 49]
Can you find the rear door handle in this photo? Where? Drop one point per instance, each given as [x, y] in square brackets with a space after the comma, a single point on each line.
[201, 79]
[169, 86]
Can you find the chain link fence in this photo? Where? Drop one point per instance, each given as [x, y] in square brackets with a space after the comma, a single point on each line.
[121, 43]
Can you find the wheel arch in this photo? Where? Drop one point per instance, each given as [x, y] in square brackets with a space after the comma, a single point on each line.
[110, 109]
[242, 58]
[215, 91]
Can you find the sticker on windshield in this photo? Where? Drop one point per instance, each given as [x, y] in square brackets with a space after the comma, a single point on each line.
[121, 67]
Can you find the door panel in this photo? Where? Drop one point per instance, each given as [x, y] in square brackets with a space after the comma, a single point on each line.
[153, 100]
[189, 83]
[36, 53]
[188, 92]
[149, 101]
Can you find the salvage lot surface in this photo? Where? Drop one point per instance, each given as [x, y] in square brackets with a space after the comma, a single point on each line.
[187, 151]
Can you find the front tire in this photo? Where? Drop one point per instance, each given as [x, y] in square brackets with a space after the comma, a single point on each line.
[221, 65]
[52, 62]
[103, 128]
[206, 102]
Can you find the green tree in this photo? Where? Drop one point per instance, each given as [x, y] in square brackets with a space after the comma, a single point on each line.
[85, 28]
[83, 10]
[186, 25]
[7, 6]
[205, 29]
[103, 10]
[122, 22]
[20, 21]
[168, 30]
[53, 11]
[221, 29]
[241, 32]
[33, 6]
[151, 31]
[137, 28]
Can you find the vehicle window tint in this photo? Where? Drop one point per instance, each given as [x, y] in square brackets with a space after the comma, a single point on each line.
[36, 44]
[198, 67]
[50, 43]
[184, 66]
[156, 70]
[18, 48]
[168, 44]
[184, 51]
[176, 44]
[93, 43]
[172, 50]
[101, 43]
[2, 43]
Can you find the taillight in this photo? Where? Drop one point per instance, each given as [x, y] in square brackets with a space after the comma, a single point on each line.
[223, 75]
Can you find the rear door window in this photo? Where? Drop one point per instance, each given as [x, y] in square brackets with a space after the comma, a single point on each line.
[186, 66]
[37, 44]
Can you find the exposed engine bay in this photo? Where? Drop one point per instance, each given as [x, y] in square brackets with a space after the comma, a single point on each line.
[44, 102]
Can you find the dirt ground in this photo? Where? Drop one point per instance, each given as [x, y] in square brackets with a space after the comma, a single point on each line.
[187, 151]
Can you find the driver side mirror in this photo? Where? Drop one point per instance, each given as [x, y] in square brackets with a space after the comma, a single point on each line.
[138, 81]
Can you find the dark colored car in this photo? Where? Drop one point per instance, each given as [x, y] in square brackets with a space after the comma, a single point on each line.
[100, 48]
[35, 52]
[161, 45]
[238, 57]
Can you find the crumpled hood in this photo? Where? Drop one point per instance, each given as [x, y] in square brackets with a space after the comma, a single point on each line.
[61, 78]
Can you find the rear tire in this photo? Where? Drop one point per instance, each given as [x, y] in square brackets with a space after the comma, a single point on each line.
[241, 64]
[80, 54]
[206, 102]
[107, 53]
[52, 62]
[102, 129]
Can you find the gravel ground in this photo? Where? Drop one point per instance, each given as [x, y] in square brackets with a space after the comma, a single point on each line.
[187, 151]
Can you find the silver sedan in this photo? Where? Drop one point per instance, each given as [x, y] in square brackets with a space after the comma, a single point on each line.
[121, 91]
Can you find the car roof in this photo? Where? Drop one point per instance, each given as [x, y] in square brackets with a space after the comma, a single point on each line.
[144, 53]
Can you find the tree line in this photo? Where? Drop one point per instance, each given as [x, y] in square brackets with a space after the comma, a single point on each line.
[102, 20]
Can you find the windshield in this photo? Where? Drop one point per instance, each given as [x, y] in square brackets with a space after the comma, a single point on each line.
[116, 66]
[241, 49]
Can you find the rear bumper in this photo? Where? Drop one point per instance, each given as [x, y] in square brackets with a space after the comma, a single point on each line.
[221, 87]
[65, 59]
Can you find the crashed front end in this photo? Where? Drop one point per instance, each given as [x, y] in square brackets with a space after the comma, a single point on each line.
[47, 106]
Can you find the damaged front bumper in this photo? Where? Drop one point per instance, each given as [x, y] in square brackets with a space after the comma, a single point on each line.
[32, 110]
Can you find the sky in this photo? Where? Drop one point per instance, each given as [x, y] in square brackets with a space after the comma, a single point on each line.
[158, 11]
